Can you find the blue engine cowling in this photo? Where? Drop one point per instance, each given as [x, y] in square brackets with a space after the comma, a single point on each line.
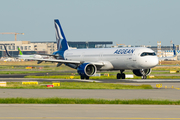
[86, 69]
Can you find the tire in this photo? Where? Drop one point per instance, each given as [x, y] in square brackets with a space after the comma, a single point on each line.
[119, 76]
[123, 76]
[144, 77]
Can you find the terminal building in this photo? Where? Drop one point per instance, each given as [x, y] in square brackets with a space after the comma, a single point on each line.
[28, 47]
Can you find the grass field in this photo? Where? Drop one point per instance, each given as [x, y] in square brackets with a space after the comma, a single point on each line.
[84, 101]
[74, 85]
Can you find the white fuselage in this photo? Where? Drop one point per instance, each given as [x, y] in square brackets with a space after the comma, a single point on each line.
[29, 56]
[115, 58]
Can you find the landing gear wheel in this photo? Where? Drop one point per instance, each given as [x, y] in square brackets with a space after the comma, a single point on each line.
[118, 76]
[123, 76]
[144, 77]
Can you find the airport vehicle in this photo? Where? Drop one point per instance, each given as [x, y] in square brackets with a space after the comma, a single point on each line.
[88, 61]
[21, 56]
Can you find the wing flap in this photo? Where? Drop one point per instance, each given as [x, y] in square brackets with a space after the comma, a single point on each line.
[67, 61]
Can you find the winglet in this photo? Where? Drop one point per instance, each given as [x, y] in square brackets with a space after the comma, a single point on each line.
[62, 44]
[7, 51]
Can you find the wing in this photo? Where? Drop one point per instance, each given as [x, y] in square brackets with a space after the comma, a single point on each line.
[67, 61]
[47, 54]
[59, 61]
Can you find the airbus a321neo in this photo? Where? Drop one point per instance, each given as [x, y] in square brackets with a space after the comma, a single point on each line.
[88, 61]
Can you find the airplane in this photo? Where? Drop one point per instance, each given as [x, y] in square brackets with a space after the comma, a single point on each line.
[24, 57]
[88, 61]
[169, 57]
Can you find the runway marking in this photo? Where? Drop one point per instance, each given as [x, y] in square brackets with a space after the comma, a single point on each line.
[93, 118]
[154, 80]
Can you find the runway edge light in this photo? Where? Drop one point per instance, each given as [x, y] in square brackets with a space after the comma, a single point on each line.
[56, 84]
[29, 83]
[2, 84]
[50, 85]
[158, 85]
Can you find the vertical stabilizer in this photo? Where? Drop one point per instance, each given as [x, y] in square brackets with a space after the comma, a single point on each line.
[174, 50]
[62, 44]
[7, 51]
[20, 53]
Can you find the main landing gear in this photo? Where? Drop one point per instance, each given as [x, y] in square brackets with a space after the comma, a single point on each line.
[121, 75]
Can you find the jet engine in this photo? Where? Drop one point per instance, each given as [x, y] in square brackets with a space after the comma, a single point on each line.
[142, 72]
[86, 69]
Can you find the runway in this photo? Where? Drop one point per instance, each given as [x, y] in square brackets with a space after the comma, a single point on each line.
[89, 112]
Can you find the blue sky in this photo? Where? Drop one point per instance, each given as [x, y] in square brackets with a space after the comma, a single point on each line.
[127, 22]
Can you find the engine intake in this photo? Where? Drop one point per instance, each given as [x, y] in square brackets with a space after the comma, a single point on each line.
[142, 72]
[86, 69]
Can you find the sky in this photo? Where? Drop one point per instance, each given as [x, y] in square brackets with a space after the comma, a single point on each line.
[130, 22]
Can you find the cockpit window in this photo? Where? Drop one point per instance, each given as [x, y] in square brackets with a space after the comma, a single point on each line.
[147, 53]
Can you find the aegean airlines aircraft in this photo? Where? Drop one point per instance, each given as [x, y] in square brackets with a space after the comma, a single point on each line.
[88, 61]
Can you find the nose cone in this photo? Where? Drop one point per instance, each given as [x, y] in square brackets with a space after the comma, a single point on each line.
[154, 62]
[149, 62]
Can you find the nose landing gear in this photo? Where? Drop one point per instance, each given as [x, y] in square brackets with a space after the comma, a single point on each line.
[144, 77]
[121, 75]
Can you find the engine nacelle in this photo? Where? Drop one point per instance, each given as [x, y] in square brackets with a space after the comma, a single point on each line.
[39, 62]
[142, 72]
[86, 69]
[59, 64]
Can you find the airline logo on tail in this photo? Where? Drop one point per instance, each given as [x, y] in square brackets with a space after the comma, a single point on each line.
[20, 53]
[174, 50]
[60, 38]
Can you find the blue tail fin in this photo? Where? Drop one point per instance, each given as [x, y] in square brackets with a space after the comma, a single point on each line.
[174, 50]
[62, 44]
[7, 51]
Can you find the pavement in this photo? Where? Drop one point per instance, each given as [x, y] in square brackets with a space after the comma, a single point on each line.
[155, 94]
[88, 112]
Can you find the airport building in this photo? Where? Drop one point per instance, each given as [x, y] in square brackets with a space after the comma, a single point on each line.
[89, 44]
[28, 47]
